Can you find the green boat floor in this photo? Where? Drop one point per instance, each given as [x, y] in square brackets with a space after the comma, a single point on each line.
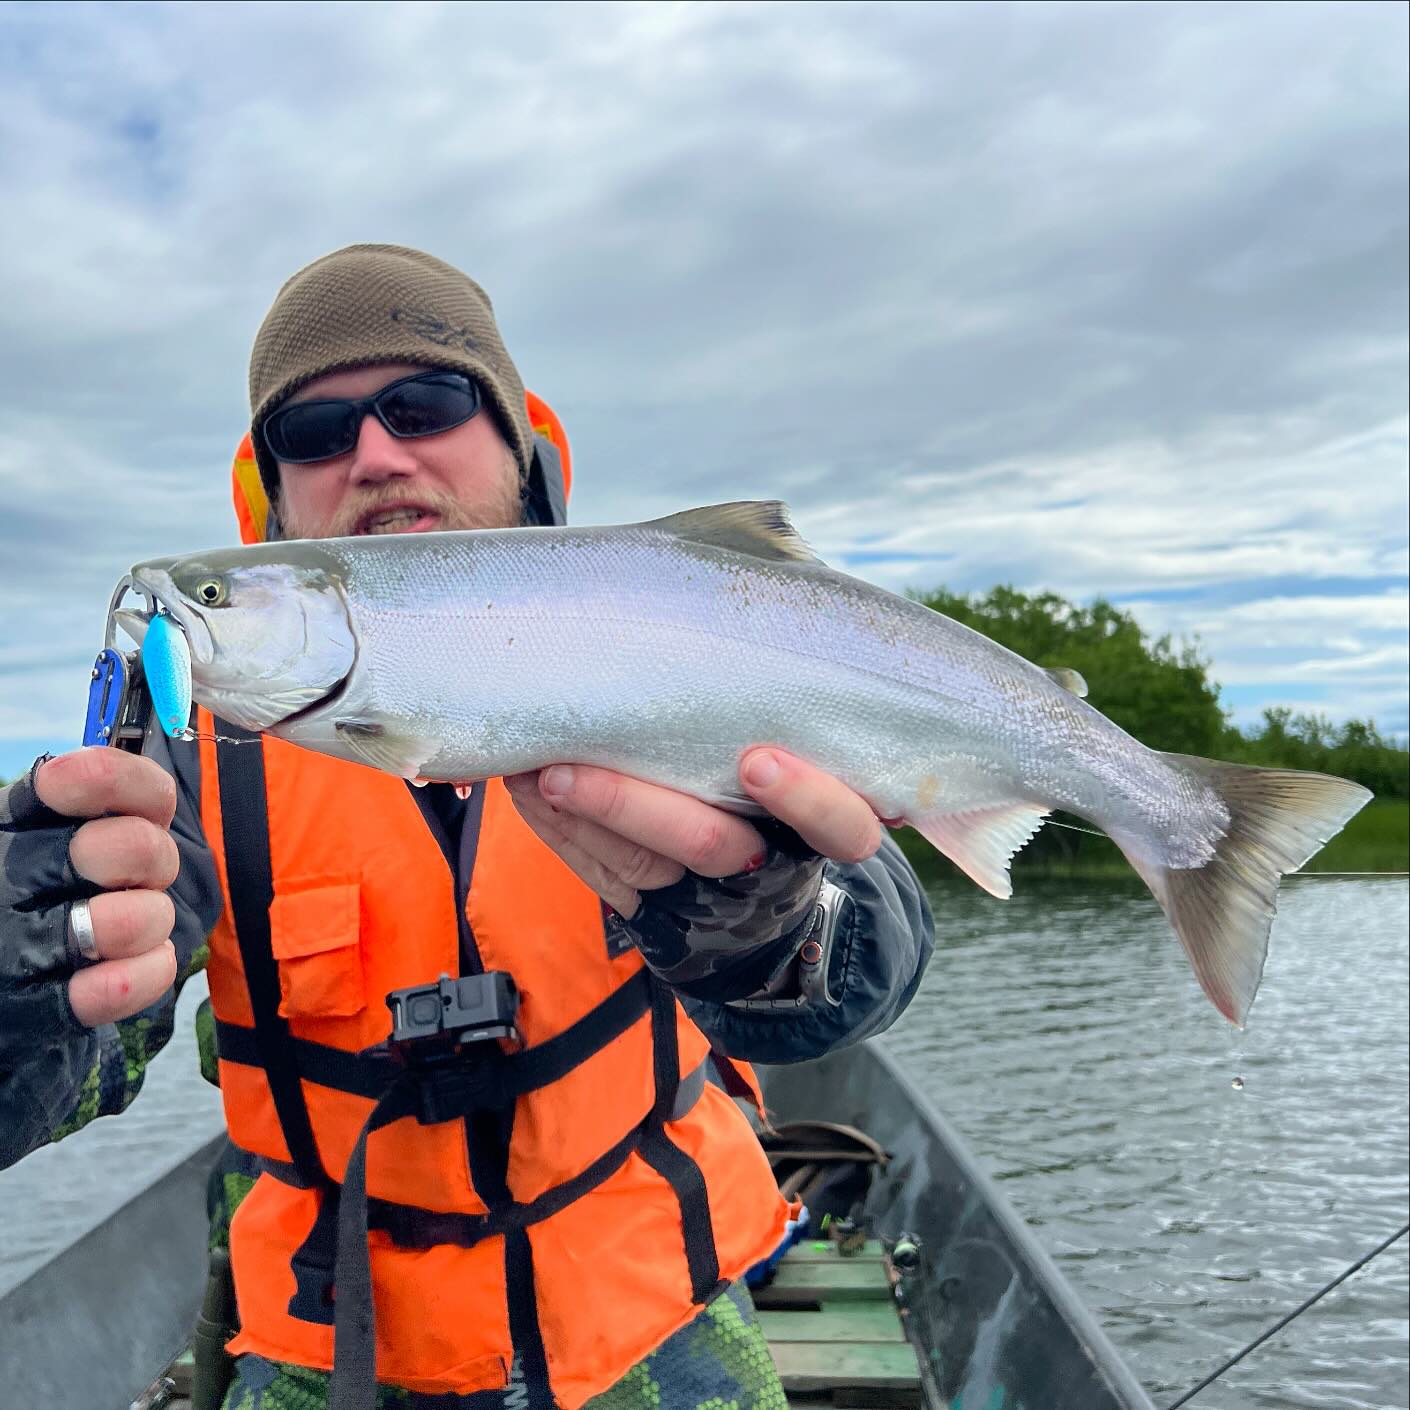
[809, 1282]
[848, 1321]
[835, 1333]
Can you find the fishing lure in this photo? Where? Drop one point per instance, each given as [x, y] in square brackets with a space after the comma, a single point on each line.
[166, 663]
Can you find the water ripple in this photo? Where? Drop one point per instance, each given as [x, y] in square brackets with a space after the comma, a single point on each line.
[1064, 1035]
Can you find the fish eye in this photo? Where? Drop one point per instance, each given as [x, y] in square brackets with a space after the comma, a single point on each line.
[211, 592]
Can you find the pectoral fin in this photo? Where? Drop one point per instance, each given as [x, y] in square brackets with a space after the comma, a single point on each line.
[982, 843]
[370, 743]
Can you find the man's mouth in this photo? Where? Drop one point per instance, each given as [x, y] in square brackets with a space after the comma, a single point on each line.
[398, 519]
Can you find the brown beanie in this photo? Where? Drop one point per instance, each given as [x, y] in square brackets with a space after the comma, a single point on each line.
[381, 303]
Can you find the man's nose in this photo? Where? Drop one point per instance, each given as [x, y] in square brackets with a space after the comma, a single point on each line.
[379, 455]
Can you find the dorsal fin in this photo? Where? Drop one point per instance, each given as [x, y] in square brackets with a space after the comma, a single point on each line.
[758, 527]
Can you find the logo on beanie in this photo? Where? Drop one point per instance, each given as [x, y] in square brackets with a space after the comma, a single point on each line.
[435, 330]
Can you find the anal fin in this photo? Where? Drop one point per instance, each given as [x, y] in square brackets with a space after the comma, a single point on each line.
[981, 843]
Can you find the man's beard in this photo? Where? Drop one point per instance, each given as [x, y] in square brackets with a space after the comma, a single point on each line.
[500, 509]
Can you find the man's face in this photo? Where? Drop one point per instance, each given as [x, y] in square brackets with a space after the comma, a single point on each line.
[464, 478]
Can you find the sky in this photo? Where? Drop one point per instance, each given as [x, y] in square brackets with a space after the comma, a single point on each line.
[1099, 299]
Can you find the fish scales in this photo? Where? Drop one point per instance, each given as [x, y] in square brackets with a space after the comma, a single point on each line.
[624, 633]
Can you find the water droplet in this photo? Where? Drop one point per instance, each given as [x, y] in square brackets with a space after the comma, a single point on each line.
[1237, 1084]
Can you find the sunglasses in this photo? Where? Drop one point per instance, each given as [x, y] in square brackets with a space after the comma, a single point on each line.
[429, 402]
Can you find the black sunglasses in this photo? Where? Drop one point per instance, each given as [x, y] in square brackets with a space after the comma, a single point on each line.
[421, 405]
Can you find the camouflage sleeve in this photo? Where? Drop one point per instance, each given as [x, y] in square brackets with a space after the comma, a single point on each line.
[725, 938]
[881, 942]
[56, 1075]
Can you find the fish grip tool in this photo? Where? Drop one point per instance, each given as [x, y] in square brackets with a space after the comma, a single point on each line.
[119, 702]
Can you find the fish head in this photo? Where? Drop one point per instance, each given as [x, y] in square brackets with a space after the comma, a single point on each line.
[268, 627]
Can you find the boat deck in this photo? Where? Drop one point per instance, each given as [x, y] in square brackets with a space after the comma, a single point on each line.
[835, 1332]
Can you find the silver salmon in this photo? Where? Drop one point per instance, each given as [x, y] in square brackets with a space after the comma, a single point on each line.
[665, 649]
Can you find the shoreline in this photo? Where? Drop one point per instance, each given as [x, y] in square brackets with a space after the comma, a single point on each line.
[1376, 842]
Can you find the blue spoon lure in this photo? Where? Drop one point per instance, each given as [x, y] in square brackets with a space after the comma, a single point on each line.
[166, 662]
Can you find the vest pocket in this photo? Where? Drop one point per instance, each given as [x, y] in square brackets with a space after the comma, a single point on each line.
[314, 929]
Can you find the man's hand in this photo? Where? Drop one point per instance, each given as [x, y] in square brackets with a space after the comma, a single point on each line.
[126, 850]
[622, 836]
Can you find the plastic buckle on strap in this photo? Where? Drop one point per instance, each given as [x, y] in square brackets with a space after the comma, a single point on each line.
[439, 1032]
[313, 1266]
[313, 1291]
[448, 1092]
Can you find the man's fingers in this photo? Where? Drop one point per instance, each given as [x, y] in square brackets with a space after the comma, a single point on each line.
[639, 867]
[706, 839]
[821, 809]
[116, 853]
[129, 923]
[118, 989]
[622, 898]
[88, 783]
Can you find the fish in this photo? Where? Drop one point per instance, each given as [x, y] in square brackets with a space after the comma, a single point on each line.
[665, 649]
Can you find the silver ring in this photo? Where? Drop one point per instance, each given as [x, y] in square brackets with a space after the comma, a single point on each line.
[81, 931]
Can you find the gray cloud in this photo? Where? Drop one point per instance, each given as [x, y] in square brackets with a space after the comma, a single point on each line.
[927, 271]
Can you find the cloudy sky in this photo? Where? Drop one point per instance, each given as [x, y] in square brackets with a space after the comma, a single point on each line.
[1105, 299]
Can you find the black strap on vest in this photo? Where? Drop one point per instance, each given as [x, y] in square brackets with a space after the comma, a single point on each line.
[244, 824]
[489, 1081]
[669, 1161]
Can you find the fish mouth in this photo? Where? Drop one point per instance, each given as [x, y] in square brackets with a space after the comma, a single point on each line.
[133, 622]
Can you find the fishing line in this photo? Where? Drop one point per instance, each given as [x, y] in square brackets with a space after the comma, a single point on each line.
[190, 736]
[1072, 827]
[1297, 1311]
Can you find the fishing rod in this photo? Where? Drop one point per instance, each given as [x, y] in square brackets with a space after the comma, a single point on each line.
[1283, 1322]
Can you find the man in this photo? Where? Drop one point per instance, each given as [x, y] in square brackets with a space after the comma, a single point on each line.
[554, 1219]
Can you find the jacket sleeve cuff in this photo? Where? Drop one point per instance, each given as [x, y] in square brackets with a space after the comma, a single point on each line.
[879, 953]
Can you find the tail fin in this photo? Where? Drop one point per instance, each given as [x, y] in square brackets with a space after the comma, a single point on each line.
[1222, 911]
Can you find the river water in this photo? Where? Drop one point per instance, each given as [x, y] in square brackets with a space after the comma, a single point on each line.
[1064, 1035]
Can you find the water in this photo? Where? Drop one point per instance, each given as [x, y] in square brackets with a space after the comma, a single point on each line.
[1064, 1035]
[1095, 1083]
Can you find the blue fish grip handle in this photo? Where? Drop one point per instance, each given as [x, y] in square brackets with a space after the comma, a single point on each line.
[119, 704]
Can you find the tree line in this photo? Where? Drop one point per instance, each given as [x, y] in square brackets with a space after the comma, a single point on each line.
[1162, 693]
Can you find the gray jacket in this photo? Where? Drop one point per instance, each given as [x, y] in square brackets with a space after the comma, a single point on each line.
[720, 944]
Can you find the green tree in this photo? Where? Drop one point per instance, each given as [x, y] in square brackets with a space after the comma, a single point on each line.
[1354, 749]
[1162, 694]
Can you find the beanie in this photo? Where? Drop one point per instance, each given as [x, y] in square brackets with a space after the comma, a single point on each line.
[367, 304]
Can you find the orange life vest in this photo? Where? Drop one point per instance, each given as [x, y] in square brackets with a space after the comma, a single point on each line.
[574, 1201]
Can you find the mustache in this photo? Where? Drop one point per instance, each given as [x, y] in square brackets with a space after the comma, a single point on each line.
[502, 510]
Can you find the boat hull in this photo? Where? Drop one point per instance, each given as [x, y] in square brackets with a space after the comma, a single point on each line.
[1005, 1329]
